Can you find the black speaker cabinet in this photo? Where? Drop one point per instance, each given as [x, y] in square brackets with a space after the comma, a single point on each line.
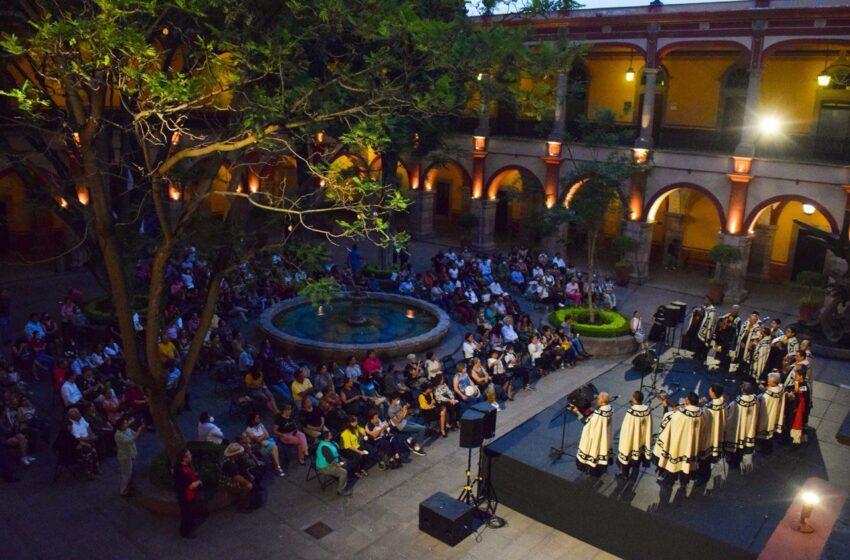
[471, 429]
[489, 412]
[446, 518]
[582, 398]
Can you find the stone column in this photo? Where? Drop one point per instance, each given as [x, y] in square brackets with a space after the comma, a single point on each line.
[637, 188]
[560, 105]
[648, 112]
[736, 274]
[674, 228]
[553, 175]
[482, 239]
[747, 146]
[739, 185]
[422, 214]
[642, 233]
[761, 250]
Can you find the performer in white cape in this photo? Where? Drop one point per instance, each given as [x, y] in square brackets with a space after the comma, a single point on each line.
[595, 449]
[771, 412]
[705, 334]
[713, 430]
[635, 446]
[747, 338]
[678, 445]
[741, 425]
[760, 355]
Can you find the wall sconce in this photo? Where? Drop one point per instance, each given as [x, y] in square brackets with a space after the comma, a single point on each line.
[641, 155]
[553, 148]
[630, 73]
[76, 137]
[320, 137]
[808, 209]
[322, 182]
[824, 78]
[83, 195]
[480, 76]
[175, 138]
[253, 183]
[174, 193]
[165, 31]
[810, 500]
[770, 124]
[61, 202]
[479, 143]
[741, 164]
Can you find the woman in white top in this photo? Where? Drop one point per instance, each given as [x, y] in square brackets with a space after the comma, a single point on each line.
[535, 349]
[259, 437]
[207, 431]
[470, 347]
[636, 324]
[433, 365]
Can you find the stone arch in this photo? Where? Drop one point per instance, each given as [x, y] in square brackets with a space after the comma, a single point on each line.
[494, 186]
[654, 202]
[513, 212]
[452, 185]
[760, 208]
[678, 45]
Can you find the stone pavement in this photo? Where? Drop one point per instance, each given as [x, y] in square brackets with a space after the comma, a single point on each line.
[78, 519]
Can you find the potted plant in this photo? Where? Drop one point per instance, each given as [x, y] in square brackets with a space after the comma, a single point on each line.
[811, 303]
[624, 246]
[722, 255]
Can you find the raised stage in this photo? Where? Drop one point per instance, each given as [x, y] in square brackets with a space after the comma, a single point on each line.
[731, 517]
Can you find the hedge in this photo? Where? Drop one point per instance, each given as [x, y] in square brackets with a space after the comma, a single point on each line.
[206, 458]
[614, 324]
[99, 311]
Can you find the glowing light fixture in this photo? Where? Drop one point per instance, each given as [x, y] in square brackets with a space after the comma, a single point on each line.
[62, 202]
[165, 31]
[810, 500]
[320, 137]
[770, 124]
[409, 314]
[553, 148]
[630, 72]
[741, 164]
[174, 193]
[480, 76]
[83, 195]
[175, 138]
[640, 155]
[76, 137]
[808, 209]
[824, 78]
[479, 143]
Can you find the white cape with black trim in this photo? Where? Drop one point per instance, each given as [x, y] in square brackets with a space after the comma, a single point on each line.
[714, 428]
[771, 412]
[709, 322]
[741, 423]
[677, 446]
[596, 445]
[760, 355]
[635, 435]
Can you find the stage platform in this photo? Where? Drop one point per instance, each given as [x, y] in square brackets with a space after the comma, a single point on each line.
[732, 517]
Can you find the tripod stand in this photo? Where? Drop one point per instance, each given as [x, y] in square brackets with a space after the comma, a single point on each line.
[467, 495]
[555, 453]
[478, 492]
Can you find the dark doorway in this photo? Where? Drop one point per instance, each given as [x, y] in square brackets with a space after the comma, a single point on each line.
[809, 254]
[832, 140]
[503, 213]
[442, 204]
[732, 122]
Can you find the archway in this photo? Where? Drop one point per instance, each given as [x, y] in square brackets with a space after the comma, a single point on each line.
[781, 247]
[518, 193]
[612, 227]
[451, 185]
[686, 220]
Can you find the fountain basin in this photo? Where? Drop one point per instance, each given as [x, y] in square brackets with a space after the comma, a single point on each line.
[397, 325]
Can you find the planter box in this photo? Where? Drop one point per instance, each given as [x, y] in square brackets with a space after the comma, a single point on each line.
[617, 346]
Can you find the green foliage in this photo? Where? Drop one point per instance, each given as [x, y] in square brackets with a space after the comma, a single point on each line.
[320, 291]
[206, 459]
[308, 257]
[624, 245]
[611, 324]
[812, 300]
[723, 255]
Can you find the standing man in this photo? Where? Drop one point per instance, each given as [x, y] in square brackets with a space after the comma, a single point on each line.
[799, 406]
[713, 430]
[706, 330]
[595, 449]
[126, 452]
[678, 445]
[635, 448]
[186, 486]
[741, 425]
[771, 412]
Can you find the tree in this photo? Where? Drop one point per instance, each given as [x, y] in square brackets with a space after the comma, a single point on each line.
[134, 106]
[602, 183]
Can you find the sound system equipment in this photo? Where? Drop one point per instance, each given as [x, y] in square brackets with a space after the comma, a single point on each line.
[489, 411]
[445, 518]
[674, 313]
[645, 361]
[471, 429]
[582, 398]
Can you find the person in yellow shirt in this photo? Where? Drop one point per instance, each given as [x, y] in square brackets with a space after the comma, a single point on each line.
[353, 449]
[432, 411]
[255, 387]
[167, 349]
[302, 387]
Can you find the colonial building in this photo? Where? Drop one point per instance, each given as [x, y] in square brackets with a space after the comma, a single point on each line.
[740, 109]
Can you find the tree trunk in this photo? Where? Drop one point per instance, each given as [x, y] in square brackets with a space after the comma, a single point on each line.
[167, 429]
[389, 178]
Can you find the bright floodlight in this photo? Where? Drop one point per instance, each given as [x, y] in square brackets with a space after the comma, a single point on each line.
[770, 124]
[810, 498]
[808, 210]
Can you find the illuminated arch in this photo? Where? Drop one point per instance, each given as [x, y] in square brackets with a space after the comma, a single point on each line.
[755, 213]
[493, 186]
[655, 201]
[571, 192]
[679, 45]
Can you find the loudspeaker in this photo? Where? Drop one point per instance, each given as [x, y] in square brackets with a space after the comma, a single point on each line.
[445, 518]
[582, 398]
[471, 429]
[489, 411]
[674, 313]
[645, 361]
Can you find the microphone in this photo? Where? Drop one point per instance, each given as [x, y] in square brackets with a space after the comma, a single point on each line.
[614, 398]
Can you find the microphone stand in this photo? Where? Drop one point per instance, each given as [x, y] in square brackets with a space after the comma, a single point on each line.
[555, 453]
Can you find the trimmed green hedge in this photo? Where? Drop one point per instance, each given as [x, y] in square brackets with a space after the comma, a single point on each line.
[613, 324]
[99, 311]
[206, 458]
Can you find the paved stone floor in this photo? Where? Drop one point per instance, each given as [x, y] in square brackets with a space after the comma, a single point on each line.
[79, 519]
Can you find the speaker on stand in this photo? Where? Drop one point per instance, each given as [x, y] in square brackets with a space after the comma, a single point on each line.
[477, 424]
